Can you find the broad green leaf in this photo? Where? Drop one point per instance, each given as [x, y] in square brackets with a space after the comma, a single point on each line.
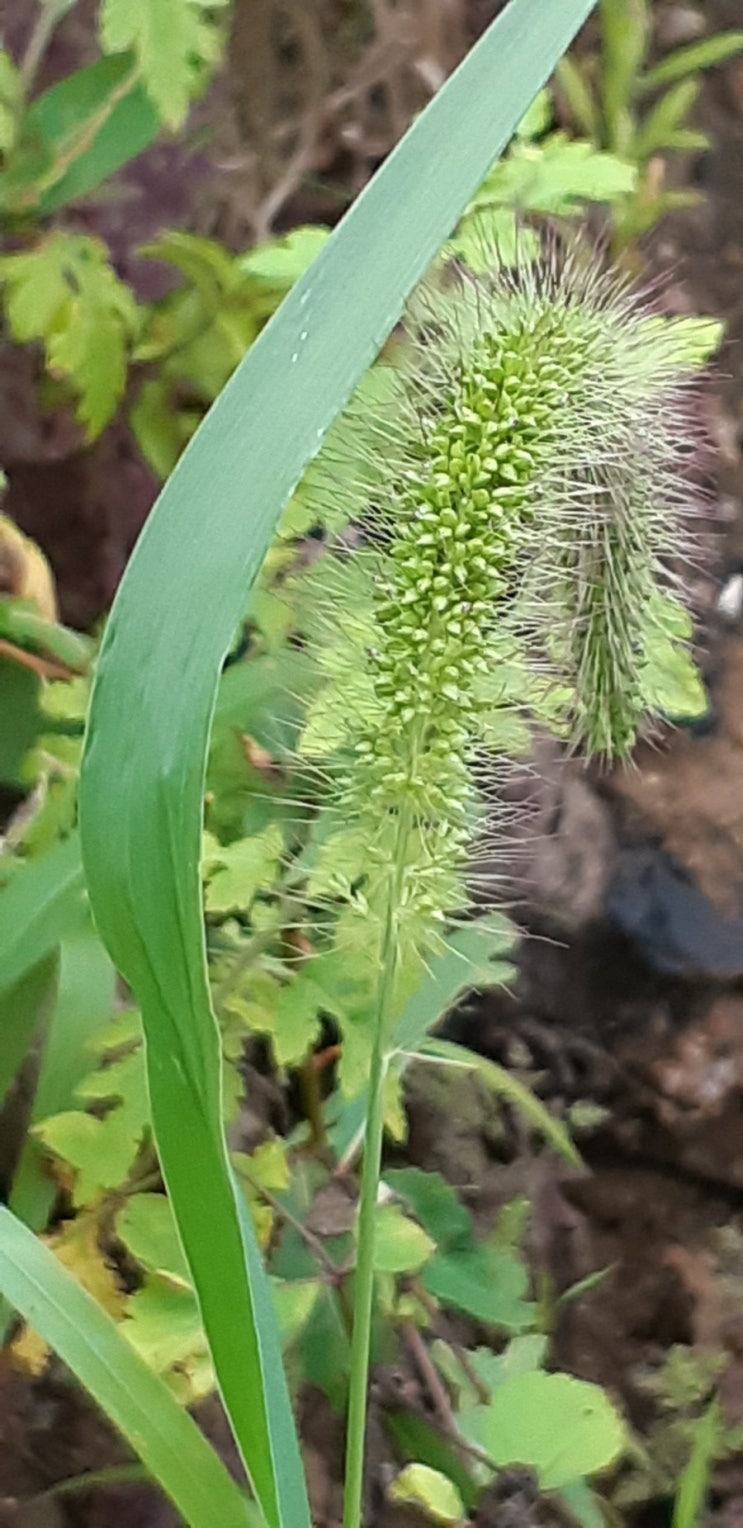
[87, 127]
[297, 1019]
[435, 1495]
[560, 1427]
[400, 1246]
[164, 648]
[169, 37]
[434, 1203]
[164, 1436]
[294, 1302]
[482, 1283]
[557, 176]
[416, 1440]
[163, 1325]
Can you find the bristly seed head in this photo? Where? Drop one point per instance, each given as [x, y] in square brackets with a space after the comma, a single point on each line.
[526, 477]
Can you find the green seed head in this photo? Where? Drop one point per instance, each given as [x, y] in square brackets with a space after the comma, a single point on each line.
[520, 493]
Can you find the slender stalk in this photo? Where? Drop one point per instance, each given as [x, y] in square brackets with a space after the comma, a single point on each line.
[363, 1295]
[47, 21]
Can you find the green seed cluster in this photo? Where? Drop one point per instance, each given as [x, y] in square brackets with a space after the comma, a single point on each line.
[525, 479]
[463, 509]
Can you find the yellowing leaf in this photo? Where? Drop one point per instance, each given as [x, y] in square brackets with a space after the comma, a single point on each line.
[29, 1352]
[77, 1247]
[163, 1324]
[26, 572]
[171, 38]
[401, 1246]
[268, 1166]
[436, 1495]
[294, 1302]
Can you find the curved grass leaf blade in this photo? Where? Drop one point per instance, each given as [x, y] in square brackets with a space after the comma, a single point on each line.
[138, 1402]
[167, 637]
[506, 1086]
[44, 901]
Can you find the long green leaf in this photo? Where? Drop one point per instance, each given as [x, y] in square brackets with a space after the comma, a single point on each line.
[138, 1402]
[505, 1085]
[167, 637]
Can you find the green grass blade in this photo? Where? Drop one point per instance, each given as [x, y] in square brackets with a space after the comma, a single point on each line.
[169, 632]
[138, 1402]
[506, 1086]
[44, 901]
[83, 1005]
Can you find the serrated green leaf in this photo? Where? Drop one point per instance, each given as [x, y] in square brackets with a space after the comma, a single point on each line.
[281, 262]
[163, 1325]
[298, 1019]
[168, 37]
[100, 1152]
[245, 868]
[557, 176]
[435, 1495]
[66, 294]
[560, 1427]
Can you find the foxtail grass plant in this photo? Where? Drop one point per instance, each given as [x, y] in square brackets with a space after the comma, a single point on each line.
[526, 478]
[518, 496]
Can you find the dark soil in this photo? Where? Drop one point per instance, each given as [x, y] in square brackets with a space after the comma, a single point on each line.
[630, 986]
